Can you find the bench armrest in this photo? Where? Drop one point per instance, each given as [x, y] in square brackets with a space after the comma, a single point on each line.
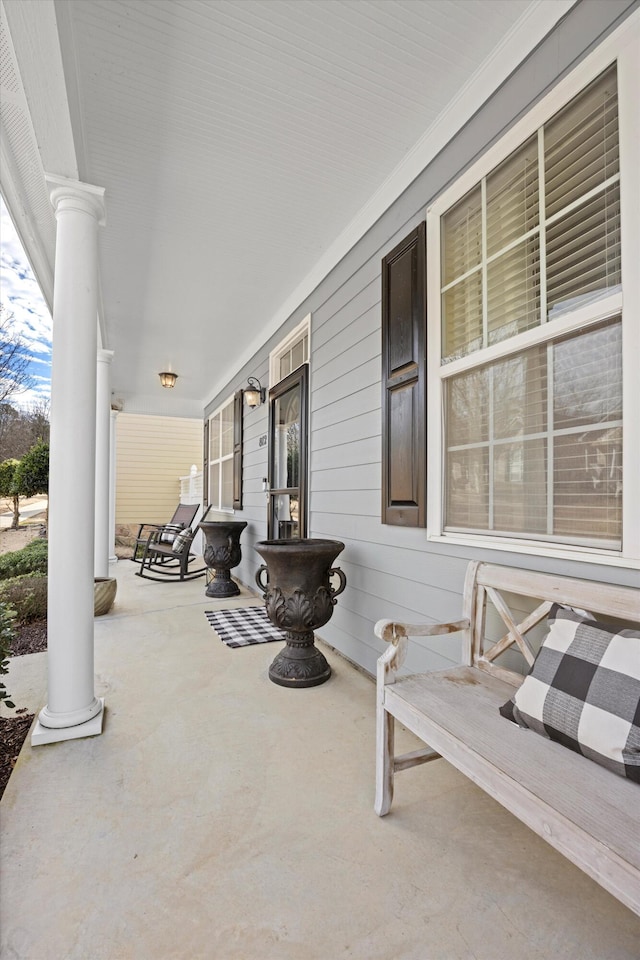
[393, 630]
[397, 634]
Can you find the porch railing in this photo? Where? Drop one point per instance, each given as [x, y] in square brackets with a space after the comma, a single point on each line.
[191, 492]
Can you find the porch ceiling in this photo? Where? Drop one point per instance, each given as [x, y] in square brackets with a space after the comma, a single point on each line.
[244, 147]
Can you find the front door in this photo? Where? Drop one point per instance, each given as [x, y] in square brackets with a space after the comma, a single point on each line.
[288, 456]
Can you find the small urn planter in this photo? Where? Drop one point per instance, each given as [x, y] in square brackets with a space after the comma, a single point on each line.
[221, 553]
[299, 597]
[104, 593]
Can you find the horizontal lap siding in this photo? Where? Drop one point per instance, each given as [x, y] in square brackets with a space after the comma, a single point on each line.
[392, 572]
[254, 470]
[152, 453]
[389, 574]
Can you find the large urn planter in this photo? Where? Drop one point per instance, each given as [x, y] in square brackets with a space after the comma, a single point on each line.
[221, 553]
[104, 593]
[299, 597]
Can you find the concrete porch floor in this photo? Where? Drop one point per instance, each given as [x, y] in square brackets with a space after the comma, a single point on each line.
[220, 817]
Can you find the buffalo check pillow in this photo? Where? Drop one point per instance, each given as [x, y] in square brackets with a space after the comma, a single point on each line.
[584, 691]
[180, 541]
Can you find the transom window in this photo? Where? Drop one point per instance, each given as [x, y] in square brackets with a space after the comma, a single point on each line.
[527, 398]
[290, 353]
[221, 457]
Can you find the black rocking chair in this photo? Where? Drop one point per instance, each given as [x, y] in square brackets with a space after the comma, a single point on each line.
[163, 561]
[167, 532]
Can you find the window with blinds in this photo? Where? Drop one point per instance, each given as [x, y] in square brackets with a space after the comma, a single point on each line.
[221, 449]
[533, 440]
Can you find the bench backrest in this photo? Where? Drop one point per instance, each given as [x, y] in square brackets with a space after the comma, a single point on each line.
[487, 582]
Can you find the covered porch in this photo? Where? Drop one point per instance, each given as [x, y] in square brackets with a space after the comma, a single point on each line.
[222, 816]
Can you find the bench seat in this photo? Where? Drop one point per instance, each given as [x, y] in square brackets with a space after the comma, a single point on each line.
[588, 813]
[569, 799]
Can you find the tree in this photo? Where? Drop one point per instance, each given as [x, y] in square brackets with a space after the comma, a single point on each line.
[20, 428]
[32, 473]
[7, 489]
[14, 359]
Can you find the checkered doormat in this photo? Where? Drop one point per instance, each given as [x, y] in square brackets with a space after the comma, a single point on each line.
[243, 626]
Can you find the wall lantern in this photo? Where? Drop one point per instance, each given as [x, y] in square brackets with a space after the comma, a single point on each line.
[168, 379]
[255, 394]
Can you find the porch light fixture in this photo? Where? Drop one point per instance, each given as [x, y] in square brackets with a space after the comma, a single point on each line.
[168, 379]
[256, 393]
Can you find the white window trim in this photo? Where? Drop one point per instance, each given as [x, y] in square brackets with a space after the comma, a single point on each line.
[220, 460]
[304, 327]
[622, 45]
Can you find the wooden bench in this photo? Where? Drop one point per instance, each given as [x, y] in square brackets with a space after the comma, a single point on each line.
[588, 813]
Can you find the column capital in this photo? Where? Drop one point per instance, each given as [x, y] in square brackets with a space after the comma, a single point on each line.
[105, 356]
[66, 194]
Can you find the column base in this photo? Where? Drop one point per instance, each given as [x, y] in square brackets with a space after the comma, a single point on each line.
[90, 728]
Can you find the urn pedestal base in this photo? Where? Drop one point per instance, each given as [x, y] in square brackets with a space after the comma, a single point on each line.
[222, 586]
[299, 597]
[300, 664]
[221, 553]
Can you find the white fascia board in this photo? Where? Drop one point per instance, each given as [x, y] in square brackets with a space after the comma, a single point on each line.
[34, 34]
[541, 17]
[38, 251]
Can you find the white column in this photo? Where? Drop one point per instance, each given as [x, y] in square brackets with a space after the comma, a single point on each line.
[103, 472]
[112, 486]
[72, 708]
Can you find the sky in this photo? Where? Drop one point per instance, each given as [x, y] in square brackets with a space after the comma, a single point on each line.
[20, 294]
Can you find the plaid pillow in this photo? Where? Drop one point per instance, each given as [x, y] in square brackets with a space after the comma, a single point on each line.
[169, 532]
[584, 691]
[181, 540]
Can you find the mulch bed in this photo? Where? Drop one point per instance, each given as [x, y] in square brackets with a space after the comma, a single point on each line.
[13, 731]
[31, 638]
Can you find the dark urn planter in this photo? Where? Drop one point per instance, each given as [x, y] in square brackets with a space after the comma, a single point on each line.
[299, 598]
[221, 553]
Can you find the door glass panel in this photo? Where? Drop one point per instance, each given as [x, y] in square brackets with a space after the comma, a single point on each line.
[287, 457]
[285, 515]
[286, 472]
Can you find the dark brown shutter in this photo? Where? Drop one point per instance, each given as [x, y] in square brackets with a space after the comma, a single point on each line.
[205, 466]
[237, 450]
[403, 382]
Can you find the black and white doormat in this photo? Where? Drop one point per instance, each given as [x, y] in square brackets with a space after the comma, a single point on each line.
[243, 626]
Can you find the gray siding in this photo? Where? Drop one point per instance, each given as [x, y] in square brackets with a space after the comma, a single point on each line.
[392, 571]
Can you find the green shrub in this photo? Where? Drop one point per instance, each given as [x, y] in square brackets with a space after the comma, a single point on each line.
[7, 634]
[31, 559]
[27, 595]
[32, 473]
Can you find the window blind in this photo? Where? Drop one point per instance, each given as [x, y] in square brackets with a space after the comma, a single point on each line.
[533, 441]
[221, 458]
[558, 220]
